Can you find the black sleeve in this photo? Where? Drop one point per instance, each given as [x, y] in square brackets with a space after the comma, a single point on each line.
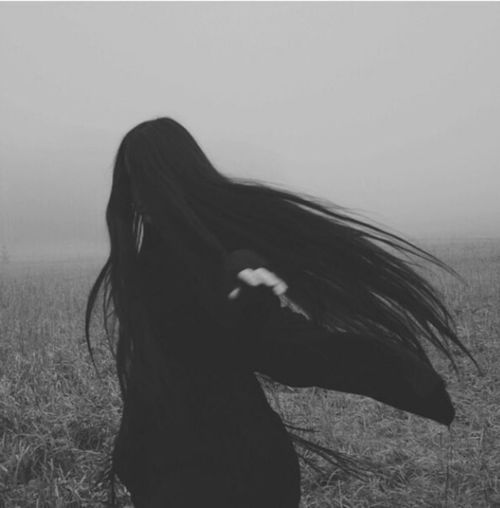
[296, 352]
[292, 350]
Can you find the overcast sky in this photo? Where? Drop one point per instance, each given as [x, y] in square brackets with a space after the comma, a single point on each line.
[389, 108]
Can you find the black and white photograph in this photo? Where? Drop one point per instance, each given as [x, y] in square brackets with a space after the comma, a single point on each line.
[249, 254]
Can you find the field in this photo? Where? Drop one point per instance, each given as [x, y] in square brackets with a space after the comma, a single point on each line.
[58, 419]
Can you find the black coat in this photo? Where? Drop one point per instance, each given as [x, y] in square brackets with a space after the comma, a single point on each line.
[200, 432]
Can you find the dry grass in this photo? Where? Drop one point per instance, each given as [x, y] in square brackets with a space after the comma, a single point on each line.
[57, 420]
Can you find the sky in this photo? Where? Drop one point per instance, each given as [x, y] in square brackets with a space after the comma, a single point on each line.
[391, 109]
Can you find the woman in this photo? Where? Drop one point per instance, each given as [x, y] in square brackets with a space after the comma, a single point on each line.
[202, 274]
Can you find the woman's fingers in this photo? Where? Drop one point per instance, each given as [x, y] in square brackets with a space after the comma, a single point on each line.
[257, 277]
[269, 278]
[263, 276]
[249, 276]
[280, 288]
[234, 293]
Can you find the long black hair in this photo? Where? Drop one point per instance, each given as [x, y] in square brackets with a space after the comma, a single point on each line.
[343, 272]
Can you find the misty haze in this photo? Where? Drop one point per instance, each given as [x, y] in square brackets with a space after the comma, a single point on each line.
[391, 110]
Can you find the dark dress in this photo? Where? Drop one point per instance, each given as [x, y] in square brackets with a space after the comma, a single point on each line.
[200, 431]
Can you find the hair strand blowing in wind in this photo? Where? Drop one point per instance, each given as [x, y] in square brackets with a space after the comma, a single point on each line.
[345, 273]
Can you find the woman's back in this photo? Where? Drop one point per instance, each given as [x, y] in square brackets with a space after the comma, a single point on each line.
[196, 412]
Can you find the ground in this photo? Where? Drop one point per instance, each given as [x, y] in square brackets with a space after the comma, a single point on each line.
[58, 419]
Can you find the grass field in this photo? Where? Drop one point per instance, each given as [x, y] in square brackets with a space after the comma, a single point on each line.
[57, 419]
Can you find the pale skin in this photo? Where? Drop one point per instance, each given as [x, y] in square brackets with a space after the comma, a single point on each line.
[258, 276]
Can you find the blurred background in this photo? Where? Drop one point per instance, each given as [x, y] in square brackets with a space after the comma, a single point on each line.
[391, 109]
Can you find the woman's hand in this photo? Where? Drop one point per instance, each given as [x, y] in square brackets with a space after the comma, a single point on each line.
[255, 277]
